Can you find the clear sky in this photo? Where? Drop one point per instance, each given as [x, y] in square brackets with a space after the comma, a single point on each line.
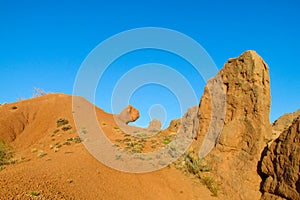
[43, 43]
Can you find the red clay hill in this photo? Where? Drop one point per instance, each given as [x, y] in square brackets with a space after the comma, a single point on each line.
[52, 163]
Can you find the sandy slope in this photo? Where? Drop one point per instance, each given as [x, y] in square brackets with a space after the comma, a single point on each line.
[60, 170]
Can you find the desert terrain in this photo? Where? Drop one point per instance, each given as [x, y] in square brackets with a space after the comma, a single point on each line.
[244, 157]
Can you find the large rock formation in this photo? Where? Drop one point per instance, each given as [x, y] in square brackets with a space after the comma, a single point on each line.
[280, 165]
[246, 130]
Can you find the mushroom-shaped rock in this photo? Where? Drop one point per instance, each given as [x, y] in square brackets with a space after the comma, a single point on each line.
[129, 114]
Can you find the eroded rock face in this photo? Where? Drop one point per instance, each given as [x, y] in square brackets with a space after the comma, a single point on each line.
[174, 125]
[189, 123]
[246, 129]
[282, 123]
[129, 114]
[187, 126]
[280, 166]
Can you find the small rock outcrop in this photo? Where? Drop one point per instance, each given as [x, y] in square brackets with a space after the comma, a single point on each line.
[282, 123]
[128, 114]
[280, 165]
[187, 126]
[174, 126]
[154, 125]
[246, 126]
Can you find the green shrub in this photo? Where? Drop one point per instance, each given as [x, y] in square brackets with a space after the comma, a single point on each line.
[166, 140]
[194, 164]
[34, 193]
[191, 163]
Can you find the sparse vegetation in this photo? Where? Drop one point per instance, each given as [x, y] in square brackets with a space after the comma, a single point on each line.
[34, 150]
[67, 143]
[42, 154]
[34, 193]
[166, 140]
[153, 141]
[126, 140]
[118, 140]
[37, 92]
[127, 135]
[14, 107]
[210, 184]
[67, 127]
[56, 131]
[153, 131]
[83, 131]
[192, 164]
[6, 154]
[58, 145]
[61, 121]
[77, 140]
[141, 135]
[134, 146]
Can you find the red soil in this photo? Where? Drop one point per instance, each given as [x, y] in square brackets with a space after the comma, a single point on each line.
[70, 172]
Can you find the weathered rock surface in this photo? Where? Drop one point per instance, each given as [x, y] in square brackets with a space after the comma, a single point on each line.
[283, 122]
[174, 125]
[280, 165]
[189, 123]
[246, 126]
[187, 126]
[129, 114]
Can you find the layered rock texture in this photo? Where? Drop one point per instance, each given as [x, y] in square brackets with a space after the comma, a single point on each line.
[243, 132]
[280, 165]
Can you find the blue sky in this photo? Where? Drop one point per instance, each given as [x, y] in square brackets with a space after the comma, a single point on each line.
[43, 43]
